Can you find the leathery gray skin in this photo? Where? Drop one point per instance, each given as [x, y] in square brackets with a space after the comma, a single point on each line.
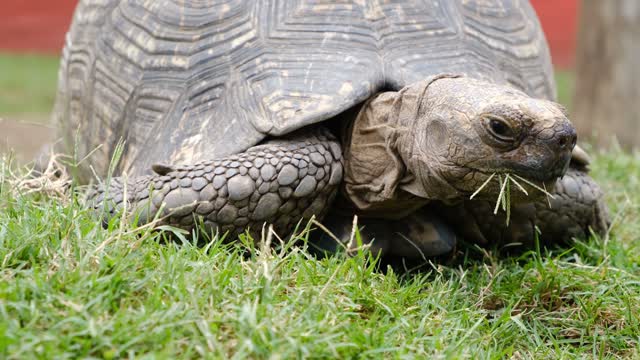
[410, 170]
[278, 182]
[437, 158]
[576, 209]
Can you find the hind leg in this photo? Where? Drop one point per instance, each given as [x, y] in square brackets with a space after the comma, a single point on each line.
[279, 182]
[419, 235]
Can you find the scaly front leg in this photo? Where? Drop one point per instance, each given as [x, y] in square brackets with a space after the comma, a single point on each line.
[576, 209]
[279, 182]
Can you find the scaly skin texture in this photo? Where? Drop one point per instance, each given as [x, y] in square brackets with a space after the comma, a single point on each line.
[279, 182]
[576, 209]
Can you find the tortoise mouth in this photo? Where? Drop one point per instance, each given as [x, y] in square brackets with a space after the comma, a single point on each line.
[521, 188]
[537, 177]
[540, 170]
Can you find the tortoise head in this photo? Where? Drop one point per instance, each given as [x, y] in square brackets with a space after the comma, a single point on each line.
[466, 130]
[442, 138]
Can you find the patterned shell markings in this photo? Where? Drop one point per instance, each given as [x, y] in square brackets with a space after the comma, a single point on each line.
[183, 81]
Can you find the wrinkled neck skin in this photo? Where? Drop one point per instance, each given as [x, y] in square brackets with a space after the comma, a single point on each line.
[424, 143]
[382, 154]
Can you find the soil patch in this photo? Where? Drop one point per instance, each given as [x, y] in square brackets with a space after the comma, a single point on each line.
[24, 138]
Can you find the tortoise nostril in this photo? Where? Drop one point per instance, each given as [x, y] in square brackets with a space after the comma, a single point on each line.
[567, 139]
[562, 142]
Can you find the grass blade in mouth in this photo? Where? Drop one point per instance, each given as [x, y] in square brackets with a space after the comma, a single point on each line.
[520, 186]
[501, 195]
[504, 197]
[543, 190]
[507, 198]
[484, 184]
[548, 194]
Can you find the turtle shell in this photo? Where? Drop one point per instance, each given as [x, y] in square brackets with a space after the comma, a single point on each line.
[181, 81]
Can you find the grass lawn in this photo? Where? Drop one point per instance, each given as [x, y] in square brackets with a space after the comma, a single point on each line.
[27, 85]
[564, 83]
[70, 289]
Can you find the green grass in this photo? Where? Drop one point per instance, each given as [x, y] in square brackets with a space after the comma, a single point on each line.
[70, 289]
[27, 85]
[565, 80]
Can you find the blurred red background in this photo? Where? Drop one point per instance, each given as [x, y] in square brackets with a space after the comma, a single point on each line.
[40, 26]
[34, 25]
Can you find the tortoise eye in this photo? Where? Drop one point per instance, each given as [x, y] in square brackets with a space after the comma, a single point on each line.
[500, 129]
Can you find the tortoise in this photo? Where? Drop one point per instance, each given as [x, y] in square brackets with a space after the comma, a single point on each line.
[236, 114]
